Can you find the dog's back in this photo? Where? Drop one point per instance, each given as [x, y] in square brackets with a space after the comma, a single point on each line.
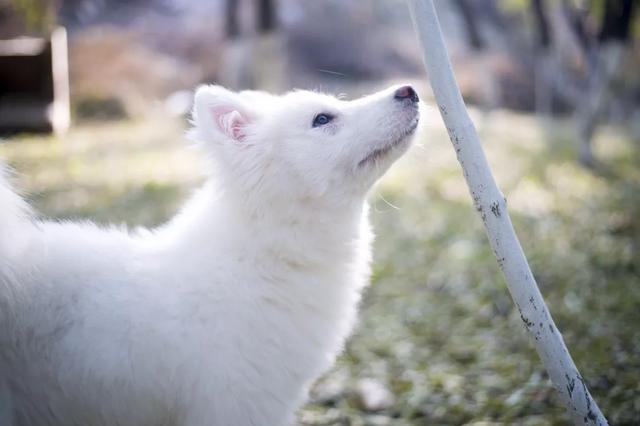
[15, 221]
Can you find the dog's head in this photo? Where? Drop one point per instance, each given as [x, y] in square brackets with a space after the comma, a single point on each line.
[304, 146]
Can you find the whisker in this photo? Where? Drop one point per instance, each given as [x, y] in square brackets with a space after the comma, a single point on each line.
[393, 206]
[332, 72]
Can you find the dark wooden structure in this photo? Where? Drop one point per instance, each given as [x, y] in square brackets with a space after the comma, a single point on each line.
[34, 84]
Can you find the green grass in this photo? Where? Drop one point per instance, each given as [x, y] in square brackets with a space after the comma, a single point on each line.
[437, 326]
[134, 172]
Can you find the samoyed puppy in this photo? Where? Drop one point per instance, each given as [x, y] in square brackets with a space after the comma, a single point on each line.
[225, 315]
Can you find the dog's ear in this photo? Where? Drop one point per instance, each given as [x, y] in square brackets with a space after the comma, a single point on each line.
[220, 114]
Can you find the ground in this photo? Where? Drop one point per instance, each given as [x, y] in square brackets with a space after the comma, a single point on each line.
[439, 340]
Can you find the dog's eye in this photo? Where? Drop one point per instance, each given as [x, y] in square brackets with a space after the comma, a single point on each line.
[321, 120]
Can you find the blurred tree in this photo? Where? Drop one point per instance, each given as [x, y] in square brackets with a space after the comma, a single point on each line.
[542, 91]
[539, 10]
[616, 20]
[577, 50]
[471, 26]
[489, 88]
[605, 59]
[266, 19]
[231, 28]
[254, 57]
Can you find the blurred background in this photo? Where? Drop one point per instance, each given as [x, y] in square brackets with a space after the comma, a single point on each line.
[94, 102]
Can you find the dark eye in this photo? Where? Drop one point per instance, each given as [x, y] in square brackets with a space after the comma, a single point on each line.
[322, 119]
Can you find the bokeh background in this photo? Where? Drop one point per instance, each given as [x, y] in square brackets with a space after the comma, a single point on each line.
[553, 87]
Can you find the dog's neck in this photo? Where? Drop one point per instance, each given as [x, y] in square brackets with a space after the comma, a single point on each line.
[295, 229]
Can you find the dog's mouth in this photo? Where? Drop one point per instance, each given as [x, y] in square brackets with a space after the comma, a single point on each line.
[380, 153]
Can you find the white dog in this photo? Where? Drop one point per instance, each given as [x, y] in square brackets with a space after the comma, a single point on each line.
[225, 315]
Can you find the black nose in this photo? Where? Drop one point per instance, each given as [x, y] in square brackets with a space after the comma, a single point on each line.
[406, 92]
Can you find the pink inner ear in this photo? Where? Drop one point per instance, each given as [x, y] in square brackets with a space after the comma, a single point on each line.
[229, 121]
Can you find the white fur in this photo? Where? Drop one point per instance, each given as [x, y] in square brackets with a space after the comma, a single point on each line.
[226, 314]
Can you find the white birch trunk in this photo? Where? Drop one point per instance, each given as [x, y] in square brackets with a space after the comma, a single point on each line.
[492, 206]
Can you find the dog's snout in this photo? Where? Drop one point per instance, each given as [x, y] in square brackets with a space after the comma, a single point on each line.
[406, 92]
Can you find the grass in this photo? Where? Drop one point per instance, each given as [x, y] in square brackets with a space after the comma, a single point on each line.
[438, 329]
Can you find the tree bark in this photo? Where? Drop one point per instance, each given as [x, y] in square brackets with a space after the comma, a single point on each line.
[267, 20]
[539, 10]
[616, 20]
[543, 95]
[492, 207]
[598, 95]
[473, 32]
[232, 26]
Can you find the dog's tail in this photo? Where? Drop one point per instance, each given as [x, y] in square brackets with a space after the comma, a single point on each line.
[16, 218]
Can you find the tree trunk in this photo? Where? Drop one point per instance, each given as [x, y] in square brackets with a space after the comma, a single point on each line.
[589, 112]
[470, 24]
[539, 10]
[606, 60]
[232, 26]
[616, 21]
[492, 208]
[267, 18]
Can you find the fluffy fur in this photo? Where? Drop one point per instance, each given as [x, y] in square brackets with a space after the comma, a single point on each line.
[226, 314]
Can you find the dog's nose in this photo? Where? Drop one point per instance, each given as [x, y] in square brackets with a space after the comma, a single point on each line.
[406, 92]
